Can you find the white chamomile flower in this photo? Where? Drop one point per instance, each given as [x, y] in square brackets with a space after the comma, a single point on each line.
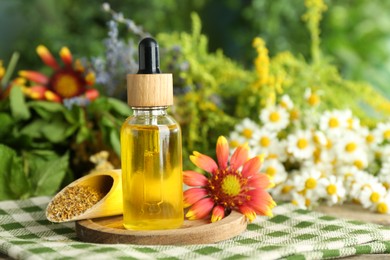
[349, 174]
[371, 195]
[286, 102]
[247, 128]
[319, 138]
[305, 200]
[353, 121]
[360, 160]
[332, 190]
[275, 170]
[383, 206]
[362, 180]
[312, 98]
[307, 179]
[300, 145]
[333, 122]
[349, 146]
[236, 139]
[382, 132]
[384, 174]
[263, 140]
[274, 118]
[369, 138]
[383, 152]
[283, 191]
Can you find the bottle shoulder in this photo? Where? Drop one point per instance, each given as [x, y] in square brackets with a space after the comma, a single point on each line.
[150, 120]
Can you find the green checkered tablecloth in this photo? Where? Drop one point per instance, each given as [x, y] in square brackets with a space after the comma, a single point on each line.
[292, 233]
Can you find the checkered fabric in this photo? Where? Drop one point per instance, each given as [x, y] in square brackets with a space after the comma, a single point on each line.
[292, 234]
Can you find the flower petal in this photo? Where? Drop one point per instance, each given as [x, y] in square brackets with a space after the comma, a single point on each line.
[193, 195]
[261, 201]
[200, 209]
[261, 181]
[90, 78]
[92, 94]
[35, 92]
[249, 213]
[218, 213]
[46, 57]
[51, 96]
[222, 152]
[34, 76]
[192, 178]
[204, 162]
[252, 166]
[240, 156]
[66, 56]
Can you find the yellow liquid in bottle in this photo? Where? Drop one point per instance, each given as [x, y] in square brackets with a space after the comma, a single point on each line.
[152, 176]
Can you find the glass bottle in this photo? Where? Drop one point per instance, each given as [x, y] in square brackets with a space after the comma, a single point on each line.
[151, 149]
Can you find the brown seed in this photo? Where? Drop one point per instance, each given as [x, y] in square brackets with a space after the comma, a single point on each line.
[72, 202]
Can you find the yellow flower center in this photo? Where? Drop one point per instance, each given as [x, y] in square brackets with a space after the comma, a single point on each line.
[287, 189]
[331, 189]
[333, 122]
[274, 117]
[375, 197]
[350, 147]
[265, 141]
[271, 171]
[247, 133]
[302, 143]
[310, 183]
[307, 202]
[313, 99]
[359, 164]
[382, 208]
[294, 114]
[231, 185]
[370, 138]
[386, 134]
[66, 85]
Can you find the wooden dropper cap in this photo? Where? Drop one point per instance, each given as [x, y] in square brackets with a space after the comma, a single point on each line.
[149, 87]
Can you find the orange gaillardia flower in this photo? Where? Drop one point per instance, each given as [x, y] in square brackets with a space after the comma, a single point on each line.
[228, 185]
[68, 81]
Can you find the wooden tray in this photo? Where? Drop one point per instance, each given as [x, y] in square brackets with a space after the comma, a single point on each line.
[110, 230]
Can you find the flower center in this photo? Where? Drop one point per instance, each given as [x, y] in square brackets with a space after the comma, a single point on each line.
[350, 147]
[359, 164]
[382, 208]
[333, 122]
[231, 185]
[331, 189]
[310, 183]
[287, 189]
[313, 99]
[294, 114]
[274, 117]
[302, 143]
[271, 171]
[370, 138]
[265, 141]
[234, 143]
[374, 197]
[66, 84]
[386, 134]
[247, 133]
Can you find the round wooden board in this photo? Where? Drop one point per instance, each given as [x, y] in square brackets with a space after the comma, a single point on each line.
[110, 230]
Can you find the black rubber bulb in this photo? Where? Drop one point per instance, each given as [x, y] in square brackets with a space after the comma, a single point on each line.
[149, 62]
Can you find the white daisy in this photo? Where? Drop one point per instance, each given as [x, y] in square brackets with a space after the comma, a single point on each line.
[236, 139]
[247, 128]
[349, 146]
[369, 138]
[300, 144]
[372, 195]
[274, 118]
[307, 179]
[332, 190]
[312, 98]
[332, 122]
[283, 191]
[384, 174]
[263, 140]
[286, 102]
[382, 132]
[383, 206]
[275, 170]
[306, 200]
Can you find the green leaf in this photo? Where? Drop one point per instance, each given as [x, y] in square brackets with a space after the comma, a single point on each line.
[6, 124]
[46, 109]
[115, 141]
[83, 134]
[47, 172]
[119, 106]
[55, 131]
[19, 109]
[13, 182]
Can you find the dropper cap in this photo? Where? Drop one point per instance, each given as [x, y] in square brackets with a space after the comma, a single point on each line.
[149, 87]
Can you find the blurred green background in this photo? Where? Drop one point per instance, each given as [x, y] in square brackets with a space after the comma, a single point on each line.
[355, 33]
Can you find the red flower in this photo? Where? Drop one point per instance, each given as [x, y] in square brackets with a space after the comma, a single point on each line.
[228, 185]
[66, 81]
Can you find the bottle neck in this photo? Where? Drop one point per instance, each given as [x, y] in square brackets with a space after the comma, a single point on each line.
[150, 111]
